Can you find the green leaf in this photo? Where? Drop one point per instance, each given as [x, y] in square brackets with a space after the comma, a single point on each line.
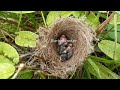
[112, 35]
[111, 27]
[100, 71]
[64, 14]
[7, 51]
[118, 20]
[107, 47]
[111, 32]
[93, 20]
[105, 61]
[52, 17]
[3, 59]
[26, 38]
[6, 70]
[77, 14]
[23, 12]
[26, 74]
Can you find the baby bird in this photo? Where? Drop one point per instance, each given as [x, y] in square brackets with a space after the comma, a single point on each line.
[69, 51]
[62, 40]
[69, 48]
[63, 56]
[62, 48]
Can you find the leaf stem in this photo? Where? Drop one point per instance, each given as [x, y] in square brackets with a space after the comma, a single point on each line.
[115, 30]
[19, 20]
[43, 19]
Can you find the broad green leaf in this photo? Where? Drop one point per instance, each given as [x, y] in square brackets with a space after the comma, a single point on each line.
[26, 38]
[6, 70]
[112, 35]
[26, 74]
[105, 61]
[93, 20]
[52, 17]
[94, 69]
[111, 32]
[77, 14]
[118, 20]
[111, 27]
[7, 51]
[23, 12]
[4, 59]
[64, 14]
[100, 71]
[107, 47]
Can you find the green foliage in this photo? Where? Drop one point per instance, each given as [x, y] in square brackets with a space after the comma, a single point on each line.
[93, 20]
[26, 74]
[98, 70]
[6, 70]
[26, 38]
[55, 15]
[110, 29]
[8, 52]
[107, 47]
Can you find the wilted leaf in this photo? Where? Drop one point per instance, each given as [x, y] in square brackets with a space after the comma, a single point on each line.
[8, 52]
[26, 38]
[107, 47]
[6, 70]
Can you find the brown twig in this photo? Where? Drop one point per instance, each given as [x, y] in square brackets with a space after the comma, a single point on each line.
[101, 27]
[12, 21]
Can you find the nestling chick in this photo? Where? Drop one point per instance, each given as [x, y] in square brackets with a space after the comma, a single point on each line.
[63, 56]
[69, 48]
[69, 51]
[62, 40]
[62, 48]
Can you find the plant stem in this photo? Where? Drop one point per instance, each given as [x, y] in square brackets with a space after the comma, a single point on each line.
[19, 20]
[115, 30]
[21, 66]
[43, 19]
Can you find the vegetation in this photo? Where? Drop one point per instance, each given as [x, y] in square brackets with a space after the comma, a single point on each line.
[19, 31]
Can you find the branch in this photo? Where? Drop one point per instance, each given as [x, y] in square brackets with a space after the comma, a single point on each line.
[12, 21]
[101, 27]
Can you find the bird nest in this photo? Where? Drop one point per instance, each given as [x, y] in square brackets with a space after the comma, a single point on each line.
[46, 55]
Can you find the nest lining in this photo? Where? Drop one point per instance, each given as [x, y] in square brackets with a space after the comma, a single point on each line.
[46, 52]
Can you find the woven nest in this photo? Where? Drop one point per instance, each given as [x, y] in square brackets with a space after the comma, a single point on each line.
[46, 53]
